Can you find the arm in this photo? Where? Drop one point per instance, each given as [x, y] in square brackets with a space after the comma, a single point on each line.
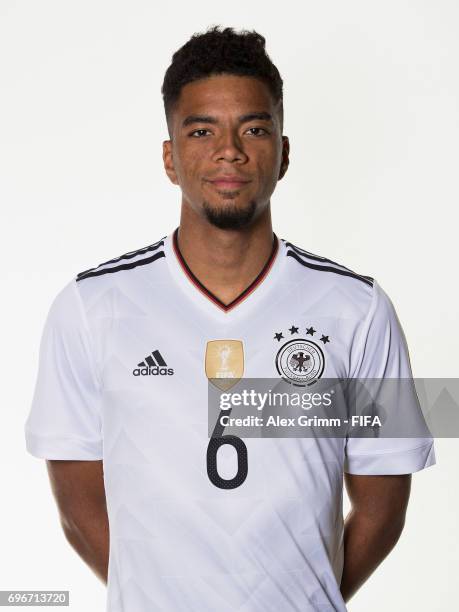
[373, 526]
[78, 488]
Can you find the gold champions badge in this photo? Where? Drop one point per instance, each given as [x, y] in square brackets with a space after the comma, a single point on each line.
[224, 363]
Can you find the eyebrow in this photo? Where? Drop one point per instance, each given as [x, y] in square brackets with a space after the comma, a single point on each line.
[261, 116]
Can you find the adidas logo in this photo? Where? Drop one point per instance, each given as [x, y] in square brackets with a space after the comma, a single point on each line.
[153, 365]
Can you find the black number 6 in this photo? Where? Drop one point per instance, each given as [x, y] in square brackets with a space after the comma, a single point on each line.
[215, 442]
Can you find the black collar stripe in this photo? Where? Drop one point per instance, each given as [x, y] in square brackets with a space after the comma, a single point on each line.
[253, 285]
[126, 266]
[365, 279]
[128, 255]
[308, 255]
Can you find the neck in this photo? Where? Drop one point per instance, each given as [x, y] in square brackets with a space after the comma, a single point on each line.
[225, 261]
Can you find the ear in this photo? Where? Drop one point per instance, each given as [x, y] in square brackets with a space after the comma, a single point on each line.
[168, 161]
[285, 157]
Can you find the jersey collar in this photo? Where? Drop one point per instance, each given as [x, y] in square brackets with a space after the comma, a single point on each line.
[251, 295]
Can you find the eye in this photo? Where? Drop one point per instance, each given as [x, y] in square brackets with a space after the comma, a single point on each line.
[258, 129]
[194, 134]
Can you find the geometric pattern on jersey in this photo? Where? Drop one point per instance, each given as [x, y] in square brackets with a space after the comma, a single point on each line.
[177, 541]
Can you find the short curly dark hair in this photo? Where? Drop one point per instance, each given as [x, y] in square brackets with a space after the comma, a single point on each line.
[218, 51]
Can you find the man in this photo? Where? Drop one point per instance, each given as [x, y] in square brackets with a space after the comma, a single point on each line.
[173, 519]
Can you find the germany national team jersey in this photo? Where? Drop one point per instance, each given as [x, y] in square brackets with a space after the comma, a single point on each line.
[122, 377]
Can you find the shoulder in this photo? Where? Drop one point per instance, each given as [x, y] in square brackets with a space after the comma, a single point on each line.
[127, 261]
[329, 280]
[99, 288]
[323, 265]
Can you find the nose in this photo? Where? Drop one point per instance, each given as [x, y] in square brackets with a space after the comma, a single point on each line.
[229, 148]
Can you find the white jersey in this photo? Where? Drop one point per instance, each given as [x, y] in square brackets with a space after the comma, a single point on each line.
[124, 362]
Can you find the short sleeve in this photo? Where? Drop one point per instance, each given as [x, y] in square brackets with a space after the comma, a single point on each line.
[64, 421]
[380, 351]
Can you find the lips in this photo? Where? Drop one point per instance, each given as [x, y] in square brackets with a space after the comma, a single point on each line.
[229, 182]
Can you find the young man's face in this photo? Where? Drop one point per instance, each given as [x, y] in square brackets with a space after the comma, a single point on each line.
[226, 150]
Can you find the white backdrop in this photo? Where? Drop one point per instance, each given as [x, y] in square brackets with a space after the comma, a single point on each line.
[371, 109]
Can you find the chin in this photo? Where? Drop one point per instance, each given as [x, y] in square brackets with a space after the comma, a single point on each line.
[229, 216]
